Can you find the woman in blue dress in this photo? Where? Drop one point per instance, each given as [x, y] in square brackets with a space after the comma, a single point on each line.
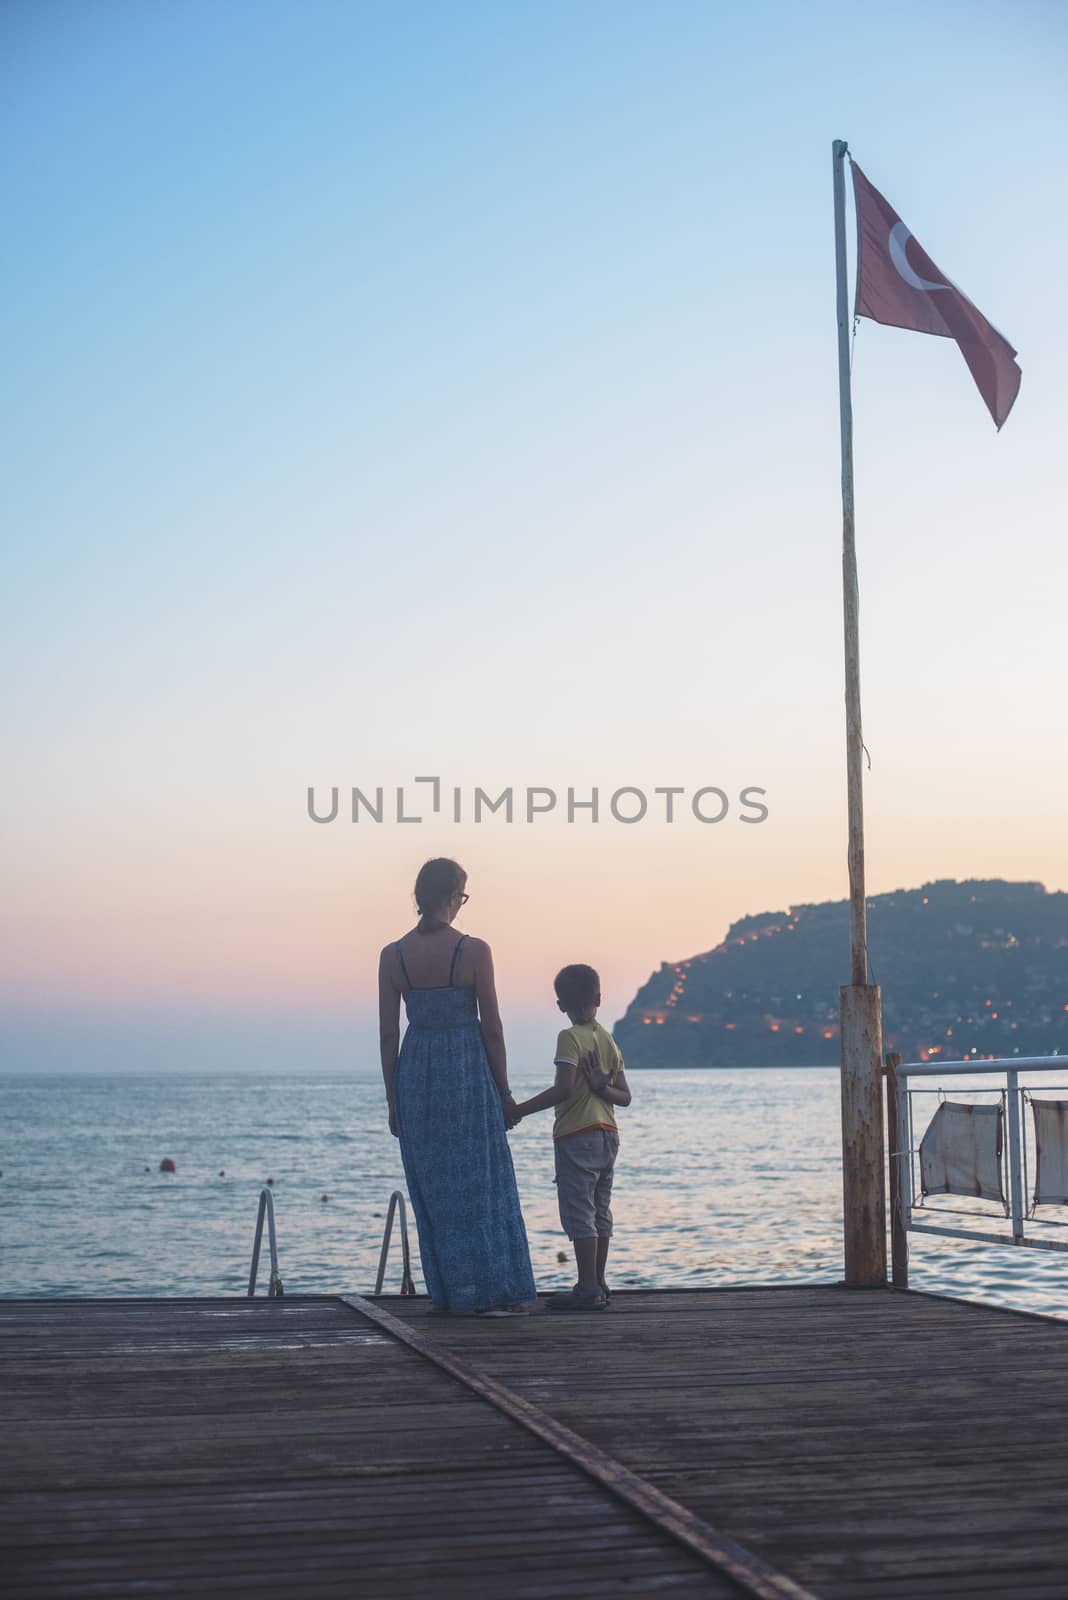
[450, 1105]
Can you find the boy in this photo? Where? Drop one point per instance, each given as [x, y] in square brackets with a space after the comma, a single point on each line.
[589, 1082]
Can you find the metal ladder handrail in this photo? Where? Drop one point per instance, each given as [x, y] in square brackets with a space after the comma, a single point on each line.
[274, 1289]
[407, 1286]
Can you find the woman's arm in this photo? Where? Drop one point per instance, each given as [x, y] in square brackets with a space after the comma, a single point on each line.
[489, 1017]
[388, 1028]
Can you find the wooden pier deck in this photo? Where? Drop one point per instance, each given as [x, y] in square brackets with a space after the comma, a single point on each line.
[854, 1445]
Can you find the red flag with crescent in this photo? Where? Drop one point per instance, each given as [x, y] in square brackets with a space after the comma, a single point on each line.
[899, 284]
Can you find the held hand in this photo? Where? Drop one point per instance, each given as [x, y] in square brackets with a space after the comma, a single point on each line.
[512, 1114]
[598, 1078]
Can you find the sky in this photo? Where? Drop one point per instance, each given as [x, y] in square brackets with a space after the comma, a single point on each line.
[451, 390]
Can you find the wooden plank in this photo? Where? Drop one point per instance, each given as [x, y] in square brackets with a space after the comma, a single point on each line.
[723, 1554]
[868, 1441]
[149, 1451]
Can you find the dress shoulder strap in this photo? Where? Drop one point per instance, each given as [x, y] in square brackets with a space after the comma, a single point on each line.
[456, 951]
[404, 969]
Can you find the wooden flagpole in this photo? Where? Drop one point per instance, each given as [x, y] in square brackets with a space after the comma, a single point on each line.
[860, 1010]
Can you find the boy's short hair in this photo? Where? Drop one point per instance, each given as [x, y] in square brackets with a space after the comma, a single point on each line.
[576, 986]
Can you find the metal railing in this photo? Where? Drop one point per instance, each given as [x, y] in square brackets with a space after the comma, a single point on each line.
[274, 1288]
[903, 1151]
[396, 1200]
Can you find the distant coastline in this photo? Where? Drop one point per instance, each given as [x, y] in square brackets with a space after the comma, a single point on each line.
[968, 971]
[723, 1066]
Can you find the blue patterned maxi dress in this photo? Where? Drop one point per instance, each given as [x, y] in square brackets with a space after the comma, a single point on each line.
[454, 1145]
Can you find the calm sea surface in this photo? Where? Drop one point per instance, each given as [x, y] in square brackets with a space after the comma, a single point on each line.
[723, 1177]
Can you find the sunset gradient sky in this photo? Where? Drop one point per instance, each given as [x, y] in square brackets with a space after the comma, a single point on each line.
[451, 389]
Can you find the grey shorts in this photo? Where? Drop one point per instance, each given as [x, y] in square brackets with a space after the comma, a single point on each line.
[584, 1165]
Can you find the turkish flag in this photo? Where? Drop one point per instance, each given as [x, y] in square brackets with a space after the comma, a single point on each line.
[899, 284]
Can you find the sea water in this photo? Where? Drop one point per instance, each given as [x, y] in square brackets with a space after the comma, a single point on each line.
[723, 1177]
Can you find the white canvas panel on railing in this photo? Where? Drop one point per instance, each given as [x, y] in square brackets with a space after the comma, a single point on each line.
[961, 1151]
[1051, 1151]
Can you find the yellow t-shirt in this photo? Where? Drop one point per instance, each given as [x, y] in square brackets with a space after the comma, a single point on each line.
[583, 1109]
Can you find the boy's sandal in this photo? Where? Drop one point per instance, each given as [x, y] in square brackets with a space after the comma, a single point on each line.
[572, 1300]
[605, 1290]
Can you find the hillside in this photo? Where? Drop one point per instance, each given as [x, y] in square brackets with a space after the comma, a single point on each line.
[966, 969]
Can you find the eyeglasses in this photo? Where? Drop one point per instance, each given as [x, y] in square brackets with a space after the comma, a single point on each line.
[464, 898]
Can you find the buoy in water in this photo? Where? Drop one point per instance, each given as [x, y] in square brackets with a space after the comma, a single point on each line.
[561, 1255]
[167, 1165]
[270, 1180]
[326, 1197]
[148, 1169]
[222, 1172]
